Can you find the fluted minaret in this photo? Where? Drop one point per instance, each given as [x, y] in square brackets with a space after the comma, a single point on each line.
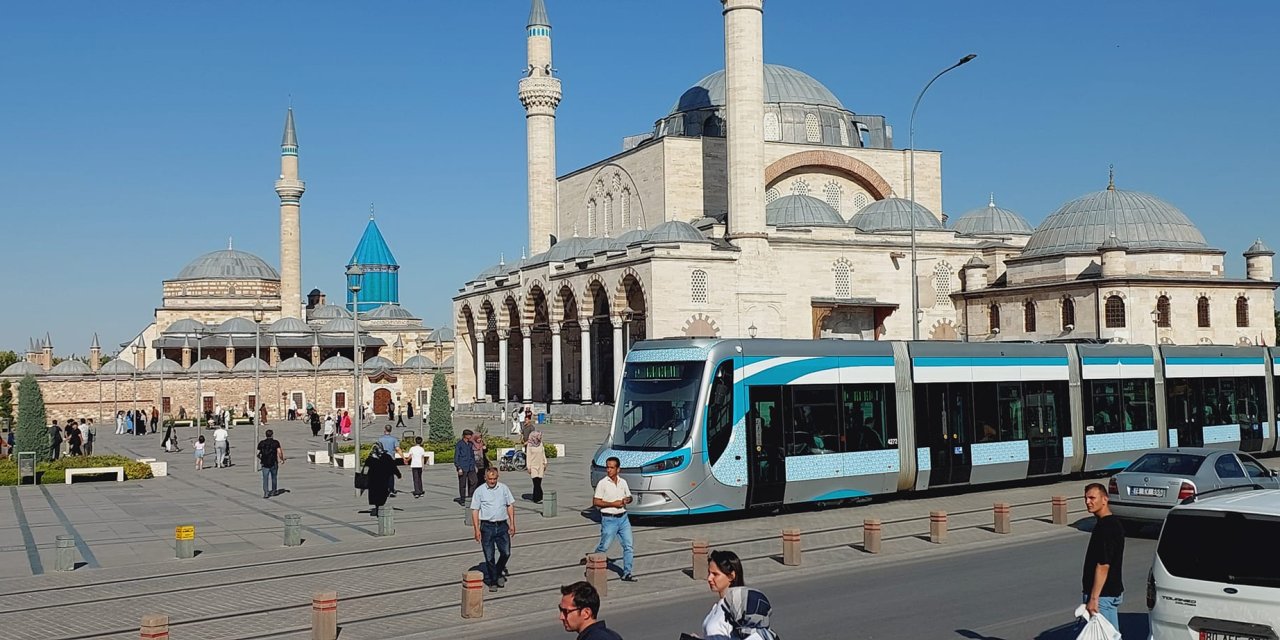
[744, 100]
[290, 190]
[540, 95]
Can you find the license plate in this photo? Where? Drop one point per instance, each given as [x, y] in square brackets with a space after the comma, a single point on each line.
[1153, 492]
[1219, 635]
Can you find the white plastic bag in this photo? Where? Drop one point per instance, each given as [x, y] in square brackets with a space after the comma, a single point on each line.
[1096, 627]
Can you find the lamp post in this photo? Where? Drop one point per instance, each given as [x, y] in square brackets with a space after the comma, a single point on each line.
[160, 403]
[354, 276]
[1155, 327]
[134, 376]
[200, 333]
[911, 161]
[257, 377]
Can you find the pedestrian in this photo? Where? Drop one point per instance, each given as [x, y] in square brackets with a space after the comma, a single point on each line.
[391, 410]
[493, 518]
[182, 412]
[314, 418]
[293, 409]
[400, 420]
[480, 453]
[199, 453]
[612, 497]
[220, 446]
[90, 434]
[345, 425]
[68, 432]
[262, 413]
[579, 608]
[381, 471]
[55, 440]
[465, 463]
[155, 418]
[1104, 558]
[408, 408]
[416, 456]
[526, 425]
[140, 422]
[128, 422]
[119, 423]
[271, 456]
[535, 458]
[330, 435]
[392, 446]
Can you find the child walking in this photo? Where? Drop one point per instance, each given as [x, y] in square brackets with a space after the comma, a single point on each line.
[200, 453]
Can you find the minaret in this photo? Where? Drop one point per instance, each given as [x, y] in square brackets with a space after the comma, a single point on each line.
[290, 190]
[95, 355]
[744, 99]
[47, 353]
[540, 95]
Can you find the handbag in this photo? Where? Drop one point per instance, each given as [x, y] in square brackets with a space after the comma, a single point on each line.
[362, 479]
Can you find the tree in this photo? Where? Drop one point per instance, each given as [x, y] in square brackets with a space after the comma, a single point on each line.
[6, 403]
[7, 358]
[33, 432]
[440, 418]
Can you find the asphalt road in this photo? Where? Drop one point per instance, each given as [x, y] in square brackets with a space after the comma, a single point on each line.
[1016, 592]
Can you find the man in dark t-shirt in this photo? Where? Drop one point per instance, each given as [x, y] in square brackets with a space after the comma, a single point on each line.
[1104, 559]
[270, 456]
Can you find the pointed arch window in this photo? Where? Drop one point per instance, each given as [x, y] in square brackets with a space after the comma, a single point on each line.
[994, 313]
[771, 194]
[800, 187]
[591, 217]
[625, 206]
[1162, 312]
[608, 214]
[942, 285]
[832, 193]
[772, 131]
[1068, 313]
[842, 269]
[1115, 312]
[1242, 311]
[698, 286]
[1202, 312]
[1029, 316]
[812, 129]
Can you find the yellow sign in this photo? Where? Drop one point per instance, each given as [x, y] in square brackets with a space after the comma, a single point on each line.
[185, 533]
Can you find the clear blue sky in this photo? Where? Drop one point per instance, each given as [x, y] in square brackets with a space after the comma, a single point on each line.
[135, 136]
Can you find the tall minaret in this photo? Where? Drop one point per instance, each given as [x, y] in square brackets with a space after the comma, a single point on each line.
[744, 99]
[540, 95]
[290, 189]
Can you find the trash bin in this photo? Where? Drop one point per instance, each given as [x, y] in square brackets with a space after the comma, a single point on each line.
[549, 504]
[542, 418]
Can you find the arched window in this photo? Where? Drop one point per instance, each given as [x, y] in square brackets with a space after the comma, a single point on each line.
[1242, 311]
[800, 187]
[843, 281]
[942, 285]
[1202, 312]
[1162, 312]
[591, 217]
[771, 194]
[608, 214]
[698, 286]
[1068, 314]
[1029, 316]
[625, 205]
[859, 201]
[771, 130]
[1115, 312]
[844, 134]
[812, 130]
[713, 126]
[994, 312]
[832, 192]
[616, 181]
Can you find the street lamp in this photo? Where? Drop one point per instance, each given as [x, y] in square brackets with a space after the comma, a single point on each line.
[751, 330]
[134, 377]
[354, 276]
[627, 315]
[1155, 326]
[257, 377]
[200, 333]
[911, 161]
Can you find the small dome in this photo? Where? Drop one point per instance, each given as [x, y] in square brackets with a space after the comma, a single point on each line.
[448, 363]
[418, 362]
[992, 220]
[675, 231]
[70, 368]
[443, 334]
[24, 368]
[378, 362]
[893, 214]
[228, 264]
[187, 326]
[568, 249]
[163, 365]
[499, 269]
[389, 312]
[634, 236]
[116, 367]
[289, 325]
[242, 326]
[782, 85]
[208, 365]
[975, 263]
[598, 245]
[295, 364]
[339, 325]
[801, 211]
[1258, 248]
[328, 312]
[337, 363]
[251, 363]
[1140, 221]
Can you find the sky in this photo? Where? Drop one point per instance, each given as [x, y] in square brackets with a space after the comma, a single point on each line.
[136, 136]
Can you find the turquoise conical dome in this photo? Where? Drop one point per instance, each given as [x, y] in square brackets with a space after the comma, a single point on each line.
[381, 281]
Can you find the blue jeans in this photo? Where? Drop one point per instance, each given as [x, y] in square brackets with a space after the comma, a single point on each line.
[621, 528]
[1108, 607]
[269, 473]
[494, 539]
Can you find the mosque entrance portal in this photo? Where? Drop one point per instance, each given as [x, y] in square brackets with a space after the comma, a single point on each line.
[381, 401]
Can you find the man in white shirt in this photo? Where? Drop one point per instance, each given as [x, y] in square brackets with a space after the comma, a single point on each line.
[416, 457]
[220, 445]
[612, 497]
[493, 515]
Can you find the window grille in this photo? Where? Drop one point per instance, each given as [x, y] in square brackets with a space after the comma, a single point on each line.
[843, 281]
[812, 130]
[1202, 312]
[698, 286]
[772, 131]
[1115, 312]
[1029, 316]
[832, 192]
[1162, 312]
[1242, 311]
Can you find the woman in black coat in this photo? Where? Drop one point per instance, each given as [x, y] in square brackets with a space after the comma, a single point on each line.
[380, 468]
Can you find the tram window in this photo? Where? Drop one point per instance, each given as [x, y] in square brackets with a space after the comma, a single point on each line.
[1139, 405]
[813, 427]
[988, 414]
[720, 412]
[1045, 409]
[869, 417]
[1103, 397]
[1119, 406]
[1249, 400]
[1181, 403]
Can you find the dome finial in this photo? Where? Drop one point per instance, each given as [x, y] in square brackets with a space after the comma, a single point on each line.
[992, 203]
[229, 243]
[524, 253]
[370, 210]
[1111, 177]
[502, 258]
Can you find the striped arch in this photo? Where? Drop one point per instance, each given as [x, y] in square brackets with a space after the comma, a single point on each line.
[595, 283]
[563, 303]
[856, 170]
[528, 310]
[489, 314]
[509, 315]
[626, 281]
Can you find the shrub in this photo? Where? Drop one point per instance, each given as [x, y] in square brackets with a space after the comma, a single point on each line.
[55, 472]
[33, 433]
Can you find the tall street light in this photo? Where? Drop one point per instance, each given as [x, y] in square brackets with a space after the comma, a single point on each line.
[911, 161]
[200, 333]
[134, 376]
[257, 377]
[354, 276]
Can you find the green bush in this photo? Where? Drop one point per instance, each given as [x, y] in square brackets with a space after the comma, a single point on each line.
[55, 472]
[33, 432]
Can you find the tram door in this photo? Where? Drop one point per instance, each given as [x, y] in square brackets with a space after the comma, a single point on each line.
[1044, 414]
[766, 447]
[944, 424]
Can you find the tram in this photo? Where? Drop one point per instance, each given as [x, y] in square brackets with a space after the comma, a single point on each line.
[710, 425]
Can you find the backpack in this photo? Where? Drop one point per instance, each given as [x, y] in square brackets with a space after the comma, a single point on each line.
[267, 452]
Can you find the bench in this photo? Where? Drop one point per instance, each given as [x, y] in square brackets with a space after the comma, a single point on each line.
[93, 471]
[345, 460]
[559, 450]
[318, 457]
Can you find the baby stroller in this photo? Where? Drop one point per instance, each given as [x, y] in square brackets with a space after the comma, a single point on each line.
[512, 460]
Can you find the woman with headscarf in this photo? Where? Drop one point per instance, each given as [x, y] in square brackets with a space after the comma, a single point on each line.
[344, 425]
[481, 454]
[379, 469]
[741, 612]
[535, 457]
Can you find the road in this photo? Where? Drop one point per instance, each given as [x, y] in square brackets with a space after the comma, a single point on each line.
[1018, 592]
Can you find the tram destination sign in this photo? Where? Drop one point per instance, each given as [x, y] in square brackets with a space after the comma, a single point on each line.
[659, 370]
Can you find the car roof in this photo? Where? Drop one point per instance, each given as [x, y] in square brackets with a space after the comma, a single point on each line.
[1265, 501]
[1197, 451]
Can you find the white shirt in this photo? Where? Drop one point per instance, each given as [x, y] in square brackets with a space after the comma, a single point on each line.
[328, 426]
[417, 456]
[608, 491]
[716, 623]
[220, 435]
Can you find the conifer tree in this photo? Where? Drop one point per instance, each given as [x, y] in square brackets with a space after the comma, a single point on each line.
[440, 418]
[33, 430]
[6, 404]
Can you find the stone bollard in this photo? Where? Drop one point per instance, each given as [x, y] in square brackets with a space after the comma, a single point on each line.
[871, 535]
[185, 541]
[937, 527]
[386, 522]
[292, 529]
[549, 504]
[597, 572]
[791, 547]
[473, 594]
[1059, 509]
[324, 615]
[1003, 515]
[699, 559]
[66, 558]
[155, 626]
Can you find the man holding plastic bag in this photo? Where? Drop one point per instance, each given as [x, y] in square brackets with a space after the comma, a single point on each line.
[1103, 562]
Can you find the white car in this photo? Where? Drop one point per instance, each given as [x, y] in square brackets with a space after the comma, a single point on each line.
[1215, 575]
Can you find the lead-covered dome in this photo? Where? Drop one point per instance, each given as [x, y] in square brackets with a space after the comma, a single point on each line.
[799, 210]
[992, 220]
[781, 85]
[675, 231]
[1140, 221]
[228, 264]
[893, 214]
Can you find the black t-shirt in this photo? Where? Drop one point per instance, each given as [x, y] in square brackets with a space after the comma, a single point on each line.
[1106, 546]
[267, 452]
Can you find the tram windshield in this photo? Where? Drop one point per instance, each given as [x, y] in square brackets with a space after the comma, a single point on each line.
[656, 405]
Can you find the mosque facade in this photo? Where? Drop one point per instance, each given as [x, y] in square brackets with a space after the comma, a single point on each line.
[762, 205]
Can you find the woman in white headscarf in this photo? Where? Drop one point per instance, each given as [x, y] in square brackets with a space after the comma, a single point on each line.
[535, 457]
[741, 613]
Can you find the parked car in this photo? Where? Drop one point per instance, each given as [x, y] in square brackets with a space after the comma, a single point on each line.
[1145, 491]
[1214, 576]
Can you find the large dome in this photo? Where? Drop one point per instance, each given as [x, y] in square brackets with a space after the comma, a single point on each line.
[992, 220]
[893, 214]
[781, 85]
[228, 264]
[1140, 221]
[798, 210]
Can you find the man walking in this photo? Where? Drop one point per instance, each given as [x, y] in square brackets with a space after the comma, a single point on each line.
[579, 606]
[220, 446]
[464, 461]
[55, 441]
[271, 455]
[1104, 558]
[417, 457]
[612, 497]
[392, 447]
[493, 517]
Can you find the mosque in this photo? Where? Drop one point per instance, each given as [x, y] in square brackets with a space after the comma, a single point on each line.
[762, 205]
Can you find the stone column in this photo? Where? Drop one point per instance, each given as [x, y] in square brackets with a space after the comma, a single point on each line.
[556, 374]
[585, 323]
[526, 368]
[503, 372]
[481, 392]
[618, 353]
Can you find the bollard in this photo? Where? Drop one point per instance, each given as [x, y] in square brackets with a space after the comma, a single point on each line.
[1003, 515]
[791, 547]
[185, 541]
[549, 504]
[292, 529]
[937, 527]
[1059, 509]
[386, 522]
[155, 626]
[871, 536]
[66, 558]
[597, 567]
[699, 559]
[324, 615]
[473, 594]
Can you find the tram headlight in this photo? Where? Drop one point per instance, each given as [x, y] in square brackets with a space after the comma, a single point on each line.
[663, 465]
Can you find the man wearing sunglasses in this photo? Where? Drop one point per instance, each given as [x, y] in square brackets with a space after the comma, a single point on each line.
[579, 606]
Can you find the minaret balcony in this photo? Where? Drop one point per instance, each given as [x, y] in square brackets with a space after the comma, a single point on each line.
[540, 92]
